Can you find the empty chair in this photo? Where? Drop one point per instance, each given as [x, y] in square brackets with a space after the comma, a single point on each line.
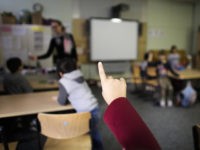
[66, 131]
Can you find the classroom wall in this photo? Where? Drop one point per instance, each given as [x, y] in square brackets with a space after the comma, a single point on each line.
[101, 8]
[66, 10]
[169, 22]
[61, 9]
[196, 26]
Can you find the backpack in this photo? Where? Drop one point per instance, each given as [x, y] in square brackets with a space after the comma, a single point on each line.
[188, 96]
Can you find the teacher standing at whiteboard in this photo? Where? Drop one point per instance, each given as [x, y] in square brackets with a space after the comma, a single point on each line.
[62, 44]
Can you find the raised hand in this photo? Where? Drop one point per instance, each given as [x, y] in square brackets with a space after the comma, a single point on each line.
[111, 88]
[32, 57]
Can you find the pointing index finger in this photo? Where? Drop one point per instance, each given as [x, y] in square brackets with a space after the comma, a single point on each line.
[102, 74]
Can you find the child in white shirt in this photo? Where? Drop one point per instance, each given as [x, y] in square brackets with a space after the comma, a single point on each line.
[74, 89]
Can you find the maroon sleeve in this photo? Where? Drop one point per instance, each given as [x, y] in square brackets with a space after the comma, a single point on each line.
[128, 127]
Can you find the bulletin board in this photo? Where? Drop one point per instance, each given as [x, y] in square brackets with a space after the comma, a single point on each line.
[20, 40]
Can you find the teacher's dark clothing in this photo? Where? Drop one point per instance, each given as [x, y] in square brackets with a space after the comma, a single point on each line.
[128, 127]
[57, 43]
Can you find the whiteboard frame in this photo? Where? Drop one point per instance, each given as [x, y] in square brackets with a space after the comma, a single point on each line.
[113, 60]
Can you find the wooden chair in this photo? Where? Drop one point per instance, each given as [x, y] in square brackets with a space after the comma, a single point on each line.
[151, 71]
[66, 131]
[137, 79]
[11, 146]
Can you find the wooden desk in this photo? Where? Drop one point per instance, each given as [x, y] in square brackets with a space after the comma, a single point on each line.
[26, 104]
[43, 82]
[187, 74]
[39, 86]
[38, 83]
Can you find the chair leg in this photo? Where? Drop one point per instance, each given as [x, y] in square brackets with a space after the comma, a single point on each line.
[39, 141]
[38, 134]
[5, 145]
[3, 139]
[195, 137]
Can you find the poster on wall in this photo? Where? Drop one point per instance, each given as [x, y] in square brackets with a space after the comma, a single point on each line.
[11, 42]
[38, 38]
[19, 40]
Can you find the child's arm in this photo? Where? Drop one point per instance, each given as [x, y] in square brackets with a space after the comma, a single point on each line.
[74, 53]
[49, 51]
[168, 66]
[63, 95]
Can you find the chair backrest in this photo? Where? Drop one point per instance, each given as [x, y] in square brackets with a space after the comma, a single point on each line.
[136, 71]
[151, 71]
[64, 126]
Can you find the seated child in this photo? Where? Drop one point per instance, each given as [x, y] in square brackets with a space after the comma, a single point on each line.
[174, 59]
[74, 89]
[163, 67]
[147, 62]
[148, 56]
[14, 82]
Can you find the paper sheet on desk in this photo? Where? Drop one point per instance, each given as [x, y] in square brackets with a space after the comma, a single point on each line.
[54, 98]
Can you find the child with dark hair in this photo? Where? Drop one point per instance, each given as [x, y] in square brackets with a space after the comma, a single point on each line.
[74, 89]
[174, 59]
[14, 82]
[163, 67]
[148, 56]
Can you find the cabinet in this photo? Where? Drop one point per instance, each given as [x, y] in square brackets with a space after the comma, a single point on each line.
[142, 41]
[197, 53]
[81, 38]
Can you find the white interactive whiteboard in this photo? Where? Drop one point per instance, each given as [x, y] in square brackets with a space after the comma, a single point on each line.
[111, 41]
